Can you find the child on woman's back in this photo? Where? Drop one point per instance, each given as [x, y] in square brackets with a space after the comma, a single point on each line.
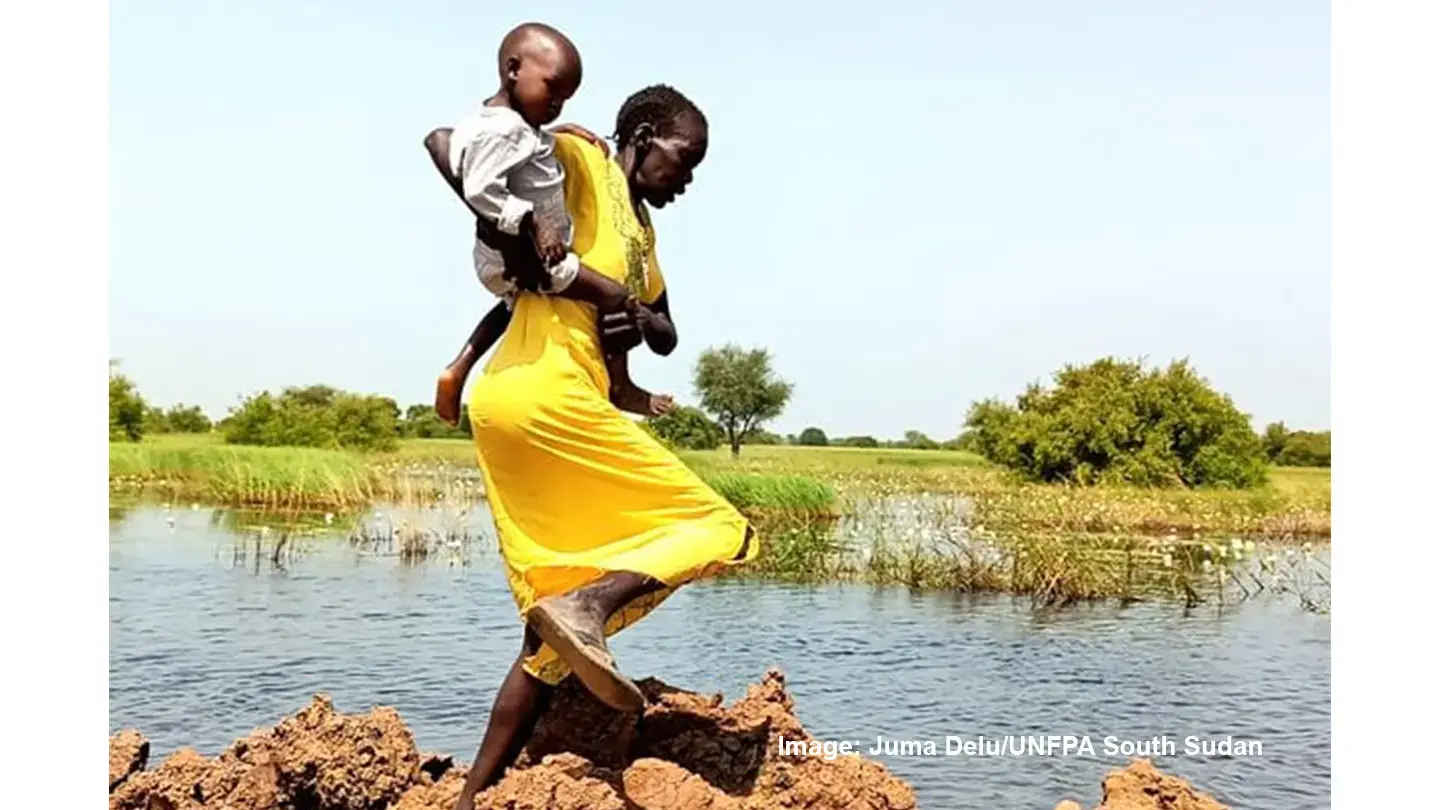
[504, 166]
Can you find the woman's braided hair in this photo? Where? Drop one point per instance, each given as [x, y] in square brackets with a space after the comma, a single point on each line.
[658, 105]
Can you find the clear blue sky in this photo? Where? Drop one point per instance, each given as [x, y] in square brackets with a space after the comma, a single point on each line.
[912, 204]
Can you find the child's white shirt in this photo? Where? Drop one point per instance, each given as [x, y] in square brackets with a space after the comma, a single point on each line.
[508, 169]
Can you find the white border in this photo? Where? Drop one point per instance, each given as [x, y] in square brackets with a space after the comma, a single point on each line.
[1386, 218]
[54, 66]
[54, 147]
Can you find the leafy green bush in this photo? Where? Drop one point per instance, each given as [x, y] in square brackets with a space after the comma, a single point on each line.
[1296, 448]
[316, 416]
[1306, 449]
[179, 419]
[422, 422]
[813, 437]
[687, 428]
[915, 440]
[860, 441]
[1117, 422]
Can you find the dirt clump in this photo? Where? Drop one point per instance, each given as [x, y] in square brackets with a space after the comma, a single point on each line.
[129, 751]
[316, 758]
[686, 751]
[1140, 786]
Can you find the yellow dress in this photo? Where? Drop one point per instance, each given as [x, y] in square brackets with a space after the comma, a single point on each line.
[576, 488]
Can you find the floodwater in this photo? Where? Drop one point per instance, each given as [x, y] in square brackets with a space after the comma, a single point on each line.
[209, 641]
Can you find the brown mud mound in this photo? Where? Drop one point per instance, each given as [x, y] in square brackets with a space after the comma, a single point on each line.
[1141, 787]
[686, 752]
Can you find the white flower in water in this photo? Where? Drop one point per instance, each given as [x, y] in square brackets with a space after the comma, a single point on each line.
[194, 507]
[329, 518]
[1167, 561]
[1249, 546]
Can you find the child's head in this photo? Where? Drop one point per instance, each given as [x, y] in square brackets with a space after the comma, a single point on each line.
[540, 71]
[669, 135]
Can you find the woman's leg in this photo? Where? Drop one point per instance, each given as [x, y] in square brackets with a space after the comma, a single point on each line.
[573, 625]
[518, 706]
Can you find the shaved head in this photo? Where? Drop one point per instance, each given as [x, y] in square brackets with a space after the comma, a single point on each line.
[538, 40]
[539, 71]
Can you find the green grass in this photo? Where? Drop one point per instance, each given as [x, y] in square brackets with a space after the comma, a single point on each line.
[1295, 504]
[905, 524]
[419, 471]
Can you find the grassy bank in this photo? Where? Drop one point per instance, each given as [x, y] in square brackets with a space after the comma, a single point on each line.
[204, 468]
[923, 519]
[1295, 504]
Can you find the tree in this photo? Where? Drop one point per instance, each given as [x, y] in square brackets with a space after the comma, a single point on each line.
[127, 407]
[1296, 448]
[187, 419]
[915, 440]
[860, 441]
[813, 437]
[761, 436]
[686, 427]
[314, 416]
[1114, 422]
[1305, 448]
[740, 390]
[1275, 438]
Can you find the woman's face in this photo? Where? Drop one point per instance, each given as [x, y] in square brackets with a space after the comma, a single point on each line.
[670, 161]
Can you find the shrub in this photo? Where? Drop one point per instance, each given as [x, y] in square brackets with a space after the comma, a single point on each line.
[1306, 449]
[686, 428]
[1297, 448]
[316, 416]
[813, 437]
[1117, 422]
[860, 441]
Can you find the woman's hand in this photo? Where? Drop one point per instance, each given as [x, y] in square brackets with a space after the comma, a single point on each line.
[657, 330]
[581, 132]
[620, 331]
[623, 330]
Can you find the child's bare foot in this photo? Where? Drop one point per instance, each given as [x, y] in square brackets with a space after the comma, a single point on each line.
[576, 632]
[447, 395]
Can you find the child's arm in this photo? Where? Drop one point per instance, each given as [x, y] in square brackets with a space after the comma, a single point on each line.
[627, 396]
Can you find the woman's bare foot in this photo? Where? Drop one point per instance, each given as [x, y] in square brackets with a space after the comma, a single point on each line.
[448, 388]
[575, 629]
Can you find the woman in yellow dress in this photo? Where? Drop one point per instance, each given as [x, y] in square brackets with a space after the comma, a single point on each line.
[598, 523]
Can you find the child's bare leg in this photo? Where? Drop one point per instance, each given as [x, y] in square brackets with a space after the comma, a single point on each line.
[518, 706]
[452, 380]
[451, 383]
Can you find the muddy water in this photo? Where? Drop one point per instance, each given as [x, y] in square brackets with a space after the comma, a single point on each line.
[207, 641]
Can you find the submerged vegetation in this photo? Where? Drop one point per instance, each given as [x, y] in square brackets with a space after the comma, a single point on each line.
[936, 519]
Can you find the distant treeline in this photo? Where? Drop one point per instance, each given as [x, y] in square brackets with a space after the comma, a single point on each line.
[1296, 448]
[1107, 422]
[310, 416]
